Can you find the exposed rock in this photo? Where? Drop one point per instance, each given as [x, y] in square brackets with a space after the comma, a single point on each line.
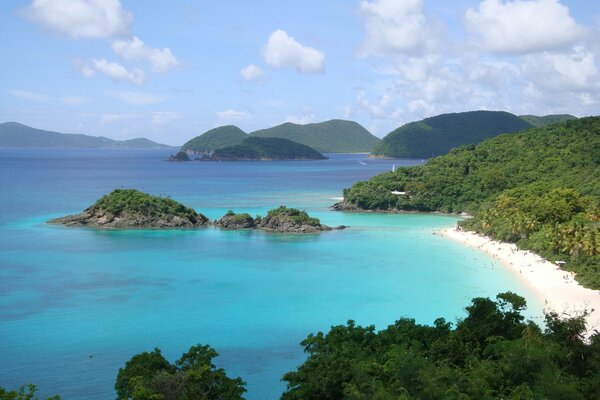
[132, 209]
[236, 221]
[180, 156]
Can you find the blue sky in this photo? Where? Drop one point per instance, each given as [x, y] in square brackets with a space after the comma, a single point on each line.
[172, 70]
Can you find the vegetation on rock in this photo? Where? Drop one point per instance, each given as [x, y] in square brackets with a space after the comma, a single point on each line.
[180, 156]
[214, 139]
[24, 393]
[438, 135]
[539, 188]
[255, 148]
[130, 208]
[333, 136]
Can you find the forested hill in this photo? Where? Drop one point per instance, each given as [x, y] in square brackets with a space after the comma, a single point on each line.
[16, 135]
[438, 135]
[217, 138]
[333, 136]
[539, 188]
[264, 149]
[545, 120]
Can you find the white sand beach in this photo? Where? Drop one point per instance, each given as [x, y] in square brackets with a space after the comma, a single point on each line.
[557, 288]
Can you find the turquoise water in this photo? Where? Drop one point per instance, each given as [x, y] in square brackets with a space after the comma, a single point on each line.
[67, 293]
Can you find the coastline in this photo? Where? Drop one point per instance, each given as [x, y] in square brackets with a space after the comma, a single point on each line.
[558, 289]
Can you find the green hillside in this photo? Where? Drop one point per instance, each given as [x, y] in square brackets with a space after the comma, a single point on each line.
[16, 135]
[539, 188]
[333, 136]
[217, 138]
[438, 135]
[546, 119]
[255, 148]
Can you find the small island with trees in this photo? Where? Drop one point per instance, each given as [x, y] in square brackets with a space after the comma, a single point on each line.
[132, 209]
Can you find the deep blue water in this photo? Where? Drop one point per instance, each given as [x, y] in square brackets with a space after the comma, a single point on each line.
[66, 293]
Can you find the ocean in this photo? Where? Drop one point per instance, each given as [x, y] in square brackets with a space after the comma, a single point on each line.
[68, 293]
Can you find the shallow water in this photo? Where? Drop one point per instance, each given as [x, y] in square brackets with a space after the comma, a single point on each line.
[67, 293]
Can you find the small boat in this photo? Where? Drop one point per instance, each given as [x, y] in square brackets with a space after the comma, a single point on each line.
[363, 163]
[394, 168]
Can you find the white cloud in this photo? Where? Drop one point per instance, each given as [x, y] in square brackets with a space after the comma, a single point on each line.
[113, 70]
[136, 98]
[283, 51]
[32, 96]
[81, 18]
[394, 26]
[110, 118]
[162, 60]
[233, 115]
[251, 72]
[522, 26]
[574, 71]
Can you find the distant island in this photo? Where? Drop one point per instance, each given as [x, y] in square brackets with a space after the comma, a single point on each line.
[333, 136]
[257, 149]
[214, 139]
[438, 135]
[132, 209]
[16, 135]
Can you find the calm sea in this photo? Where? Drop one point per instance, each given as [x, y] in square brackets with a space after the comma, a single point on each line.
[66, 293]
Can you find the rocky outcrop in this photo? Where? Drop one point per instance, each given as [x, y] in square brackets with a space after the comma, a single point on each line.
[286, 225]
[132, 209]
[179, 157]
[236, 221]
[97, 218]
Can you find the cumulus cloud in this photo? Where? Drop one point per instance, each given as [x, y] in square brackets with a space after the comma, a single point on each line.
[136, 98]
[162, 60]
[393, 26]
[81, 18]
[251, 72]
[32, 96]
[233, 115]
[560, 72]
[113, 70]
[522, 26]
[283, 51]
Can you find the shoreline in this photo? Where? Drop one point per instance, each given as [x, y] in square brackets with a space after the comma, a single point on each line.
[558, 289]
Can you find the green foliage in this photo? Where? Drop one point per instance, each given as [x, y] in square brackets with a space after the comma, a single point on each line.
[437, 135]
[491, 354]
[295, 215]
[214, 139]
[334, 136]
[539, 188]
[546, 119]
[121, 201]
[149, 376]
[13, 134]
[255, 148]
[26, 392]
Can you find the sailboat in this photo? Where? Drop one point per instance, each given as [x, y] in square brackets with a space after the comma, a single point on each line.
[394, 168]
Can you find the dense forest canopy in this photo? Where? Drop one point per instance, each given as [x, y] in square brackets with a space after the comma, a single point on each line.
[255, 148]
[217, 138]
[437, 135]
[545, 120]
[539, 188]
[333, 136]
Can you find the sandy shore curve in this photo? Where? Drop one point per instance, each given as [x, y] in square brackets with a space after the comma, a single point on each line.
[558, 289]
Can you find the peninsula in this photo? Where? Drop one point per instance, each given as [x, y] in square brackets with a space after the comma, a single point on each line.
[265, 149]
